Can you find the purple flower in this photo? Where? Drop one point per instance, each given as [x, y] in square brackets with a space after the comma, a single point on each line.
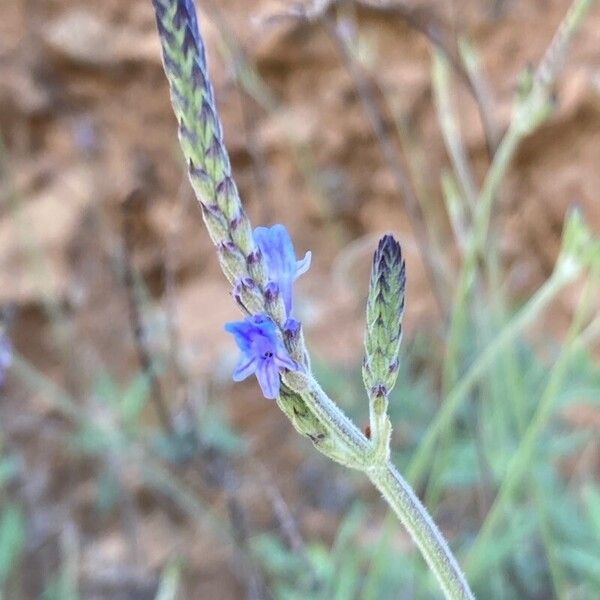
[263, 353]
[5, 356]
[278, 253]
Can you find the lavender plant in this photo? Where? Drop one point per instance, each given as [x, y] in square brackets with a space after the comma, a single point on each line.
[261, 266]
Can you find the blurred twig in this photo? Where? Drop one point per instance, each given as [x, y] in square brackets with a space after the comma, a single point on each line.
[255, 586]
[533, 107]
[367, 90]
[426, 22]
[239, 62]
[450, 126]
[282, 511]
[136, 319]
[482, 93]
[171, 254]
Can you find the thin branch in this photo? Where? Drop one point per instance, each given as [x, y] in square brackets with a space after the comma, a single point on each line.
[432, 27]
[239, 60]
[424, 21]
[367, 91]
[135, 317]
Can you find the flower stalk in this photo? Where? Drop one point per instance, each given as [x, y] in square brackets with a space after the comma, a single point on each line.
[261, 266]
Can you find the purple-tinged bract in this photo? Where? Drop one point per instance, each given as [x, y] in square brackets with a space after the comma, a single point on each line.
[280, 260]
[263, 353]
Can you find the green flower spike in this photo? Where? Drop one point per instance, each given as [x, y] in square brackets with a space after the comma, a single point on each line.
[383, 335]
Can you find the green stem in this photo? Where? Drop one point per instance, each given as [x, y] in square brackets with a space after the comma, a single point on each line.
[502, 159]
[461, 391]
[450, 127]
[521, 460]
[415, 518]
[517, 392]
[396, 491]
[529, 113]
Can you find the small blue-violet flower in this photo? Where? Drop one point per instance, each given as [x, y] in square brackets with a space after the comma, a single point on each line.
[280, 261]
[263, 353]
[6, 356]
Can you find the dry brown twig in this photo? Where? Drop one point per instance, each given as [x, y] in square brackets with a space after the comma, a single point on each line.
[135, 315]
[369, 93]
[428, 23]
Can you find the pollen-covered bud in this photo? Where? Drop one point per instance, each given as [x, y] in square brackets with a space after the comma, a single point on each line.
[385, 308]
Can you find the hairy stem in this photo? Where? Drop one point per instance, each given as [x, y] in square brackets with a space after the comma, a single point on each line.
[414, 516]
[395, 490]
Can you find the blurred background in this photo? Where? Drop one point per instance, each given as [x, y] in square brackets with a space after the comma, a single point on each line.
[130, 466]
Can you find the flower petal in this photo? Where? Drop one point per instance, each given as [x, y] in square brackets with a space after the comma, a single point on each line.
[242, 332]
[245, 368]
[284, 361]
[303, 265]
[268, 379]
[280, 259]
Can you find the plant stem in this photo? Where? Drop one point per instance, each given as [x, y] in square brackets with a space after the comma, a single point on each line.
[522, 459]
[414, 516]
[450, 128]
[502, 159]
[396, 491]
[461, 391]
[529, 114]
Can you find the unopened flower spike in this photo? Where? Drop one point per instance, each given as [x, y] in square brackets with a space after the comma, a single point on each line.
[262, 353]
[280, 261]
[385, 308]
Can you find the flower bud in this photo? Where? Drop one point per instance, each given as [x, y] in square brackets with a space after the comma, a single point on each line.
[385, 308]
[215, 223]
[232, 260]
[248, 295]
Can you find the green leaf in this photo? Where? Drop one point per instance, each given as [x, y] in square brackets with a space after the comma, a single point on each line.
[12, 539]
[591, 496]
[134, 399]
